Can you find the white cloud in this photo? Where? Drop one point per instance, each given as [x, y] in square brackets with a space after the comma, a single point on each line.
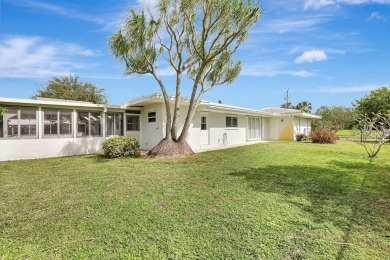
[350, 89]
[311, 56]
[271, 69]
[376, 16]
[293, 24]
[28, 57]
[316, 4]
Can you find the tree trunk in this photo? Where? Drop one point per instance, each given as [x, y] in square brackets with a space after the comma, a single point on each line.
[176, 109]
[190, 116]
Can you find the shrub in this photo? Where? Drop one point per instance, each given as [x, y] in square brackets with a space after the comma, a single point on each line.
[300, 137]
[323, 136]
[120, 146]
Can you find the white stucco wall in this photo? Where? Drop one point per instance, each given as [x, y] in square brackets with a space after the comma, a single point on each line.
[17, 149]
[273, 129]
[302, 125]
[265, 133]
[152, 133]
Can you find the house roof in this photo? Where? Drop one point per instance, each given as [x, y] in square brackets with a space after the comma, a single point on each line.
[217, 107]
[158, 98]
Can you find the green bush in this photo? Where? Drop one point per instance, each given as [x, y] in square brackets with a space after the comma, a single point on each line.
[120, 146]
[323, 136]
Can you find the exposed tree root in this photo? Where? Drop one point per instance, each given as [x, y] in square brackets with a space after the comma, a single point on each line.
[170, 148]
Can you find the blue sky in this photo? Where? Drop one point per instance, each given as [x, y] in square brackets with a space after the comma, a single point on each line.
[329, 52]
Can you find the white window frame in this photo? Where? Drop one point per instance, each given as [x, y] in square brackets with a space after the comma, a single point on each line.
[203, 123]
[151, 117]
[230, 123]
[138, 124]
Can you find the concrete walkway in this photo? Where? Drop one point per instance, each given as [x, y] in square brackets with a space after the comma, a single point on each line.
[205, 149]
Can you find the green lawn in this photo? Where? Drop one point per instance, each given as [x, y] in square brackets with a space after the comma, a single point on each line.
[347, 133]
[280, 200]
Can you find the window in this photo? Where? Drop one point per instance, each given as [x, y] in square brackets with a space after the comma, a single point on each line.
[89, 124]
[203, 123]
[19, 123]
[231, 121]
[132, 123]
[57, 123]
[151, 117]
[114, 123]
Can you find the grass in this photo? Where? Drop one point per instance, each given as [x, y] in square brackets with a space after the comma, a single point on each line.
[347, 133]
[280, 200]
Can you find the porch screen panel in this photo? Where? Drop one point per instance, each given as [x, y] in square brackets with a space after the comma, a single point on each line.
[66, 123]
[83, 124]
[50, 123]
[95, 119]
[28, 122]
[11, 121]
[114, 124]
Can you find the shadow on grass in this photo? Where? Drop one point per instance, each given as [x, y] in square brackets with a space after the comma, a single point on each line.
[346, 194]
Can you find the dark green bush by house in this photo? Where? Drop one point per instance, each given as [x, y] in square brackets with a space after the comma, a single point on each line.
[120, 146]
[323, 136]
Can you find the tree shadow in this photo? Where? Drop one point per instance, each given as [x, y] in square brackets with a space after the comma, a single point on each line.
[81, 146]
[345, 194]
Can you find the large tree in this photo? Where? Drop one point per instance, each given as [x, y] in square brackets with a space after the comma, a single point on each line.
[71, 89]
[197, 38]
[335, 118]
[378, 101]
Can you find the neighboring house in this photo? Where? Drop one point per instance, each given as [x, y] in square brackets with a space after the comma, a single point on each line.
[51, 127]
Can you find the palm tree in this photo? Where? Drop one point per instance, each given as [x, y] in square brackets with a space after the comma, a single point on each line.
[304, 106]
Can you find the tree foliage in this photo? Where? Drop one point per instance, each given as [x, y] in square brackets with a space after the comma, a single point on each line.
[2, 111]
[196, 38]
[334, 118]
[71, 89]
[304, 106]
[378, 101]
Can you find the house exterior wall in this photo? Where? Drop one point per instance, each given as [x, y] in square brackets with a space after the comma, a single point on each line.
[18, 149]
[273, 129]
[302, 126]
[53, 144]
[265, 129]
[286, 128]
[281, 128]
[41, 144]
[152, 132]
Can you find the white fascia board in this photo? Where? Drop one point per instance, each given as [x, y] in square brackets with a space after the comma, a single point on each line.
[144, 100]
[234, 110]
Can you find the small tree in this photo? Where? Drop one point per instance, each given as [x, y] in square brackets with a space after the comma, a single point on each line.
[334, 118]
[373, 132]
[71, 89]
[2, 111]
[196, 38]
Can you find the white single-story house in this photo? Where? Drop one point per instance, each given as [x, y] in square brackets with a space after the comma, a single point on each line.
[40, 128]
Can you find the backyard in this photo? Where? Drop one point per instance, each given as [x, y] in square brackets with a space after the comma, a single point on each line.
[278, 200]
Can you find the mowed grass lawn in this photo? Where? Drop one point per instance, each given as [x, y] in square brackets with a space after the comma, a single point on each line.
[279, 200]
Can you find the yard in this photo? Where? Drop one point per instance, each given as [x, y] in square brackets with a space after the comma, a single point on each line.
[280, 200]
